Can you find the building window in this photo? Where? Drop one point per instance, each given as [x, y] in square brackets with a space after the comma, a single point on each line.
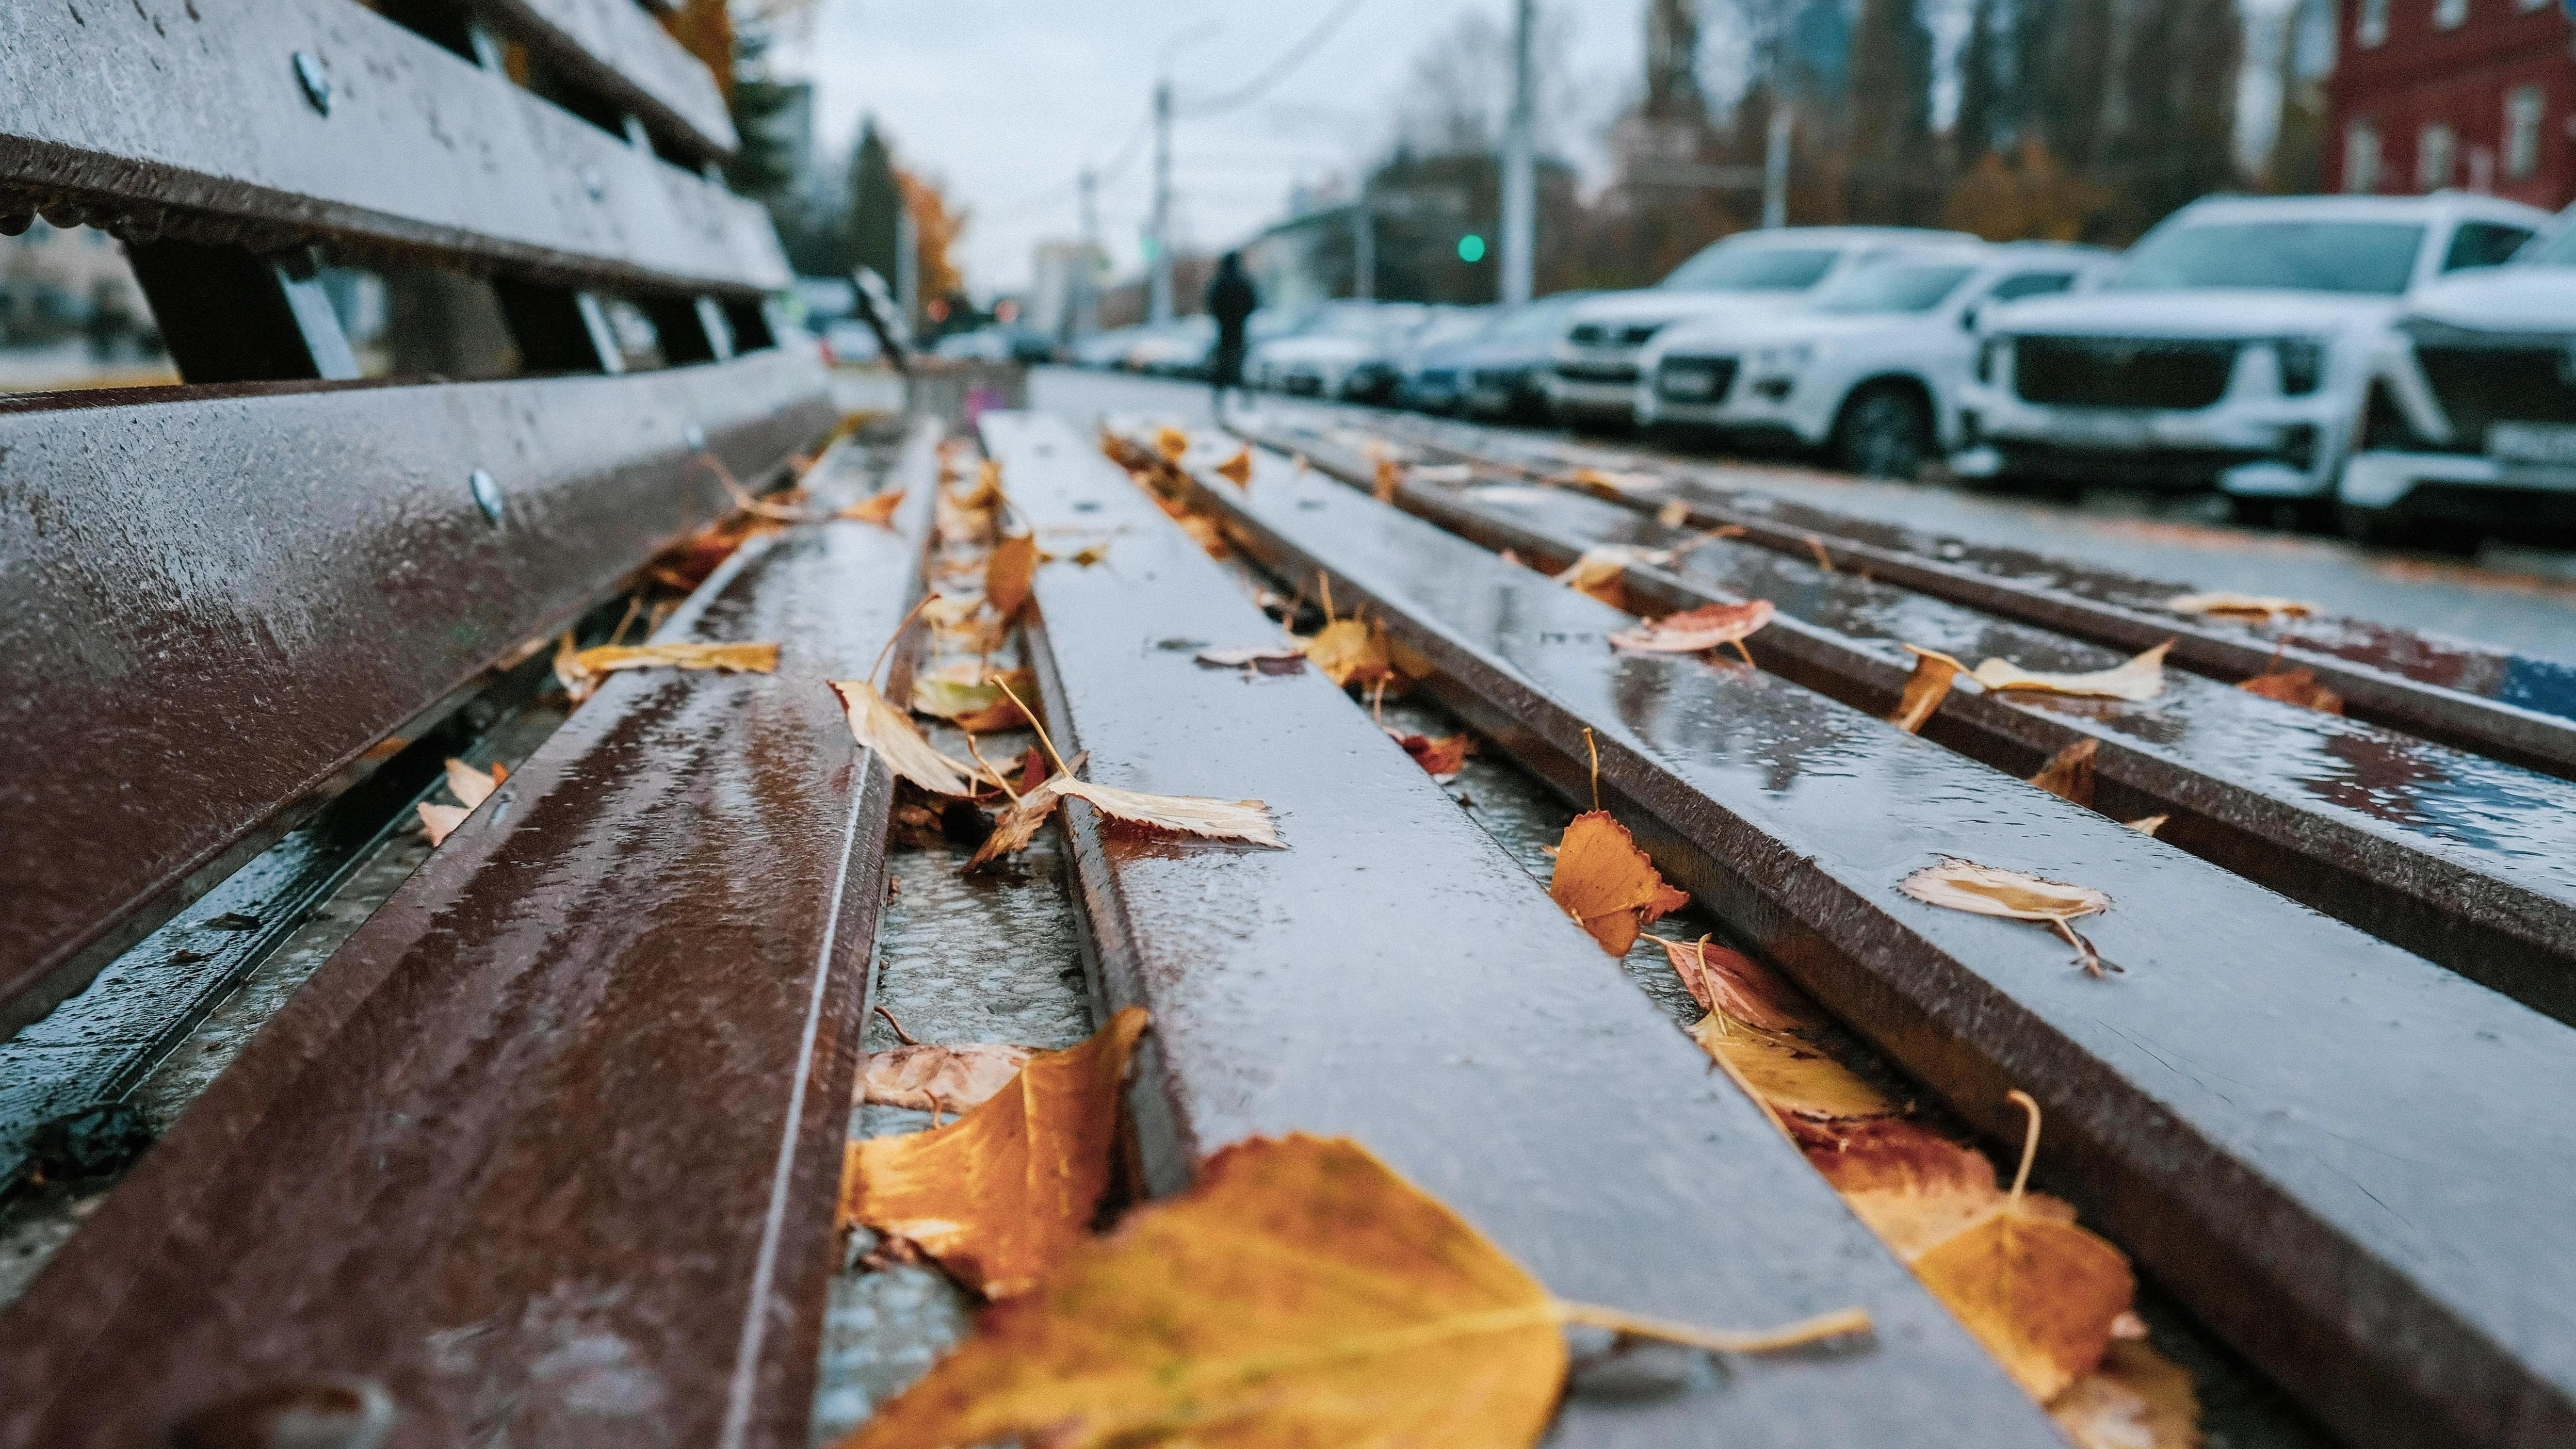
[2436, 151]
[2524, 107]
[2361, 156]
[2370, 27]
[2450, 14]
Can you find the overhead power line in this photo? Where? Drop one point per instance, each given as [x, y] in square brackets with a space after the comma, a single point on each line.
[1280, 69]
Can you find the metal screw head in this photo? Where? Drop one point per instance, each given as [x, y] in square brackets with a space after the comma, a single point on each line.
[487, 494]
[315, 80]
[593, 182]
[693, 436]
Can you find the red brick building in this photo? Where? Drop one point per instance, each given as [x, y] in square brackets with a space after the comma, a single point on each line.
[2476, 94]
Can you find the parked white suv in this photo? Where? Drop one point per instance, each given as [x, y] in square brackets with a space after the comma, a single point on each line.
[2230, 347]
[1870, 370]
[2471, 417]
[1595, 369]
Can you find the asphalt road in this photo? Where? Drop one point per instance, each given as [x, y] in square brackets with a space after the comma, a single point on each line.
[2518, 598]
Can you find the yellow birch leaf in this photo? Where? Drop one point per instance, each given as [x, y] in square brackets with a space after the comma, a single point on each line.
[1171, 442]
[1237, 469]
[2039, 1293]
[1925, 688]
[2136, 681]
[1010, 572]
[1002, 1194]
[1300, 1293]
[1607, 884]
[2137, 1399]
[1788, 1072]
[1350, 651]
[880, 727]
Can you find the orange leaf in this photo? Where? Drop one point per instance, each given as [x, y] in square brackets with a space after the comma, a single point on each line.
[1390, 476]
[2040, 1294]
[940, 1079]
[471, 786]
[1171, 442]
[1607, 884]
[878, 510]
[1009, 574]
[1441, 758]
[1705, 627]
[1349, 652]
[2069, 773]
[1238, 469]
[1738, 986]
[1004, 1193]
[1925, 688]
[441, 821]
[2295, 686]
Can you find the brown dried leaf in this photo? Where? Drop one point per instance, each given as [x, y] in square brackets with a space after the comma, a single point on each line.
[1441, 757]
[1246, 820]
[2240, 606]
[1607, 884]
[1705, 627]
[2136, 1399]
[1009, 574]
[2039, 1293]
[2069, 773]
[1739, 987]
[1237, 469]
[1390, 477]
[1019, 825]
[1602, 573]
[1925, 688]
[1171, 442]
[1963, 885]
[880, 727]
[1351, 651]
[2136, 681]
[589, 664]
[1004, 1193]
[948, 1080]
[878, 509]
[2295, 686]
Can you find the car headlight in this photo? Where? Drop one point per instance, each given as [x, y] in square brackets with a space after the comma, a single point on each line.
[1788, 357]
[2303, 363]
[1990, 357]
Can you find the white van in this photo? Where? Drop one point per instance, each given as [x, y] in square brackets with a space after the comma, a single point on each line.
[2231, 347]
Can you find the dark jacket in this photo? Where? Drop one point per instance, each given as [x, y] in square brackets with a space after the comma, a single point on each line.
[1231, 301]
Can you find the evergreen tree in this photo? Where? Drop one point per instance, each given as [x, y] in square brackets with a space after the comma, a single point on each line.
[1981, 87]
[1891, 177]
[874, 227]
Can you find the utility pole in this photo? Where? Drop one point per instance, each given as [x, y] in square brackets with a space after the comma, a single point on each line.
[1363, 246]
[907, 265]
[1161, 241]
[1775, 165]
[1086, 283]
[1520, 164]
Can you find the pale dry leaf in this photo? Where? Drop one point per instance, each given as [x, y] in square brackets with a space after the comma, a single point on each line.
[2069, 773]
[2241, 606]
[1964, 885]
[1019, 825]
[1705, 627]
[878, 509]
[944, 1079]
[880, 727]
[1925, 688]
[1245, 820]
[1673, 514]
[2148, 824]
[589, 664]
[440, 821]
[470, 786]
[2137, 681]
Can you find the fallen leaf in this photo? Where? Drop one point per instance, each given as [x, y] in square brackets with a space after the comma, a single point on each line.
[2240, 606]
[1601, 573]
[2136, 1399]
[1268, 658]
[1441, 757]
[1298, 1293]
[2039, 1293]
[1351, 651]
[1247, 820]
[1789, 1072]
[1616, 484]
[880, 727]
[472, 786]
[2295, 686]
[1237, 469]
[440, 821]
[1963, 885]
[1736, 985]
[2137, 681]
[952, 1080]
[1705, 627]
[1390, 477]
[2148, 824]
[2069, 773]
[1019, 825]
[1673, 514]
[588, 665]
[1607, 884]
[1446, 475]
[1925, 688]
[1002, 1194]
[1009, 573]
[1171, 442]
[878, 510]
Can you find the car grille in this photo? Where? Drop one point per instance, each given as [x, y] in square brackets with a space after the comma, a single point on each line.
[2480, 385]
[2122, 372]
[1605, 334]
[1696, 379]
[1597, 371]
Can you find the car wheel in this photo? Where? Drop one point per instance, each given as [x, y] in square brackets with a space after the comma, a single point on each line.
[2294, 515]
[1885, 431]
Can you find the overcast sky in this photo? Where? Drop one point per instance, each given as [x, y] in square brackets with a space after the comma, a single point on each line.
[1007, 100]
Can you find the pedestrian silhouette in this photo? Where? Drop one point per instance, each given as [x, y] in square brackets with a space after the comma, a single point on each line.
[1231, 301]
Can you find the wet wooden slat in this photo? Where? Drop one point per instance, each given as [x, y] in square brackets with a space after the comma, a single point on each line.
[548, 1151]
[2463, 859]
[213, 601]
[617, 49]
[1393, 976]
[191, 115]
[2299, 1130]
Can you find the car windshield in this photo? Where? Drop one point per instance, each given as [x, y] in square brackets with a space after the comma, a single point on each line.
[1895, 288]
[2557, 249]
[1742, 268]
[2307, 256]
[1537, 322]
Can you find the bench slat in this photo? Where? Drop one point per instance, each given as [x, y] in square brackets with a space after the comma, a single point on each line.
[614, 46]
[211, 606]
[2402, 837]
[1395, 977]
[549, 1149]
[2227, 1108]
[141, 111]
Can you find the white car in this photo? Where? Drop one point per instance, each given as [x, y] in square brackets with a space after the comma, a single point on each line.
[2471, 416]
[2231, 347]
[1594, 372]
[1322, 358]
[1870, 370]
